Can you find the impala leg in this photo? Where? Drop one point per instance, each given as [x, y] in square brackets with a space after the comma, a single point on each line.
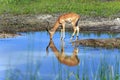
[74, 28]
[73, 33]
[77, 33]
[63, 32]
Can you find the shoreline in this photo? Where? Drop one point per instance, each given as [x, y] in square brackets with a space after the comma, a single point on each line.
[11, 24]
[25, 23]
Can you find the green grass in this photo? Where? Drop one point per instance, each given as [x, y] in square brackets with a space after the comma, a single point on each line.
[83, 7]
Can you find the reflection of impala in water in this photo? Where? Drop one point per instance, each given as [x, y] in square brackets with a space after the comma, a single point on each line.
[62, 57]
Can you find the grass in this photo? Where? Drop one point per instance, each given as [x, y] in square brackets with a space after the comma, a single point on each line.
[83, 7]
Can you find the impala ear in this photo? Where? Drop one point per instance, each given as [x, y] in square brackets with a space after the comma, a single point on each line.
[48, 25]
[47, 29]
[49, 33]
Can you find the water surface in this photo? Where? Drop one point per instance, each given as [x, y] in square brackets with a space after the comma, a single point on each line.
[25, 58]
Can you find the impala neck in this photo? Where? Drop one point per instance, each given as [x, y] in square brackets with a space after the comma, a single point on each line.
[53, 30]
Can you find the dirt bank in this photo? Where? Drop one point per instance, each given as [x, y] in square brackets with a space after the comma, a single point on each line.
[106, 43]
[17, 23]
[8, 35]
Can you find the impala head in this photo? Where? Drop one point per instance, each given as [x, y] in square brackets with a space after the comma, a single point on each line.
[51, 33]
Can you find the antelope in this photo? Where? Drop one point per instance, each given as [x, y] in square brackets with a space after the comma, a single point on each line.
[72, 60]
[72, 18]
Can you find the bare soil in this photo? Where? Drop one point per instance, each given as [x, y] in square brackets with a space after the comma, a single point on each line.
[106, 43]
[22, 23]
[8, 35]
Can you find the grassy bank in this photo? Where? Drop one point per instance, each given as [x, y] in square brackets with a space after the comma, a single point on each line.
[83, 7]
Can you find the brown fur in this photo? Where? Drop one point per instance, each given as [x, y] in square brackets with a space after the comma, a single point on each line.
[72, 18]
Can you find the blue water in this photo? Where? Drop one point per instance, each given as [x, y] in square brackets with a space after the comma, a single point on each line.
[25, 58]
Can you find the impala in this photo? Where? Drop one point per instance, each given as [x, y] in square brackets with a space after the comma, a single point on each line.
[72, 18]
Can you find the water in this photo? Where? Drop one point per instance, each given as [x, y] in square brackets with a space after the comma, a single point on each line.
[25, 58]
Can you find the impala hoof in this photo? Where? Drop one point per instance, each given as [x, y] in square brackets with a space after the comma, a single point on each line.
[77, 38]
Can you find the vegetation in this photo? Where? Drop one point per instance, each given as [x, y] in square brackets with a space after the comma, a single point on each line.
[102, 8]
